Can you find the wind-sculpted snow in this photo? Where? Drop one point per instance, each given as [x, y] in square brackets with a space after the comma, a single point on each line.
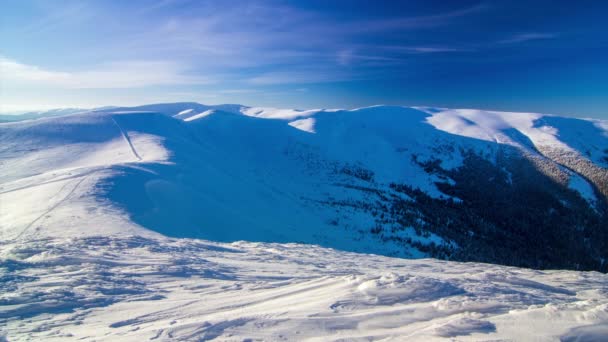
[108, 288]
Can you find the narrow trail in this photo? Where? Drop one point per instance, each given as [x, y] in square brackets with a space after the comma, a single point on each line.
[85, 173]
[53, 207]
[127, 139]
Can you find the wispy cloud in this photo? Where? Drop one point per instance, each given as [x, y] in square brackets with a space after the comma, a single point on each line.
[416, 22]
[129, 74]
[238, 91]
[297, 77]
[259, 35]
[525, 37]
[255, 43]
[351, 56]
[56, 16]
[423, 49]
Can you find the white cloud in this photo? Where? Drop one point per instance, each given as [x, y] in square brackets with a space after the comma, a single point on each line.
[12, 70]
[129, 74]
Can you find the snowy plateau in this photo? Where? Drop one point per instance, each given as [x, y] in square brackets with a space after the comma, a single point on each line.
[189, 222]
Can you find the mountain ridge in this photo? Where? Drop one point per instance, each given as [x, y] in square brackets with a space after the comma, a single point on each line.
[360, 180]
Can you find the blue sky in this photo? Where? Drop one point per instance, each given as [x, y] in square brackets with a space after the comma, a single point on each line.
[542, 56]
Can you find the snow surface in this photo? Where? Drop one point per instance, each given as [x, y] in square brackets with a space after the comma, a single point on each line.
[199, 115]
[277, 113]
[527, 130]
[106, 288]
[306, 125]
[581, 185]
[76, 262]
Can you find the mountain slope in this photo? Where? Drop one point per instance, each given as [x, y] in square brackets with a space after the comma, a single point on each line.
[512, 188]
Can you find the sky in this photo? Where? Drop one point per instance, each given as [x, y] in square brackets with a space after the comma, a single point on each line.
[529, 56]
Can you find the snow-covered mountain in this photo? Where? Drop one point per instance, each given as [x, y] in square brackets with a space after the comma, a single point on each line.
[513, 188]
[91, 204]
[19, 116]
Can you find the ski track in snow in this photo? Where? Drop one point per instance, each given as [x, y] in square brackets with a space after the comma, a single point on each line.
[54, 206]
[79, 175]
[127, 139]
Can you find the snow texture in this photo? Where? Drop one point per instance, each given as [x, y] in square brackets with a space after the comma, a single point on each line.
[134, 288]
